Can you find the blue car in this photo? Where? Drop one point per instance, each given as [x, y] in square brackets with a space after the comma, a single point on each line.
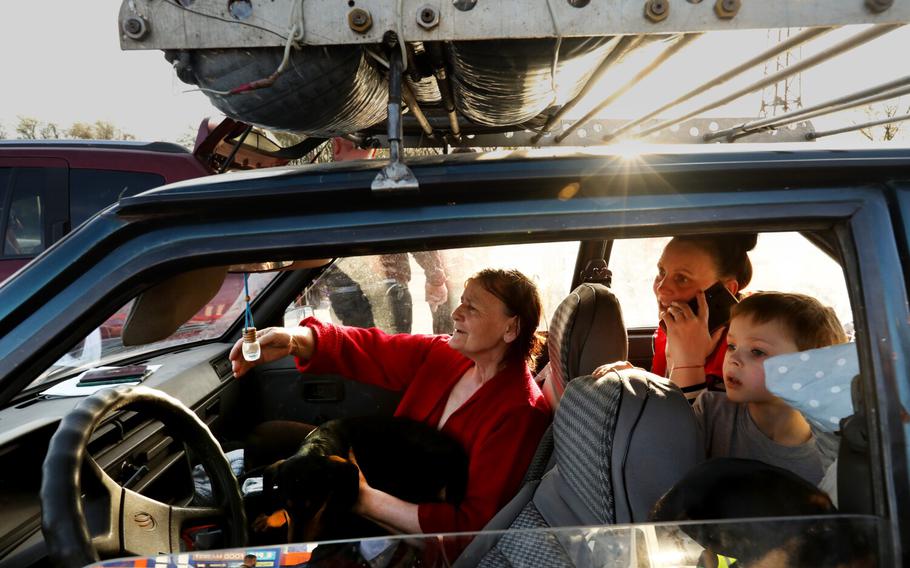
[145, 460]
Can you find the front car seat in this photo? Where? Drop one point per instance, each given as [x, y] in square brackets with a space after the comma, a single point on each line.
[621, 441]
[586, 331]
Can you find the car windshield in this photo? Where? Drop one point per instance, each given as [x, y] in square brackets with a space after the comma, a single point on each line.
[842, 540]
[104, 344]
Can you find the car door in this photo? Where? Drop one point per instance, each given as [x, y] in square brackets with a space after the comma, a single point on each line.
[34, 208]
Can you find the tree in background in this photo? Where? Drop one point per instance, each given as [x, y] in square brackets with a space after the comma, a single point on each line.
[887, 109]
[100, 130]
[30, 128]
[27, 129]
[50, 131]
[188, 138]
[2, 131]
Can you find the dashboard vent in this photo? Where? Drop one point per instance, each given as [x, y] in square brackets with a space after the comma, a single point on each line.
[222, 367]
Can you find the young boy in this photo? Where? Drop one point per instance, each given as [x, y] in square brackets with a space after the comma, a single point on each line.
[748, 421]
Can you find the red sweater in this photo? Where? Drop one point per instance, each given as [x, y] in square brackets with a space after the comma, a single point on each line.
[499, 426]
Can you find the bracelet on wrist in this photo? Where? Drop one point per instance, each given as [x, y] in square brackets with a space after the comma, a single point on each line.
[688, 366]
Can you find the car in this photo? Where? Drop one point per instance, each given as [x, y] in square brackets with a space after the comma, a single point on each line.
[831, 223]
[49, 187]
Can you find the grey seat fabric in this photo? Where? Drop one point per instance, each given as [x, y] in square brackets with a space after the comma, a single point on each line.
[586, 331]
[621, 442]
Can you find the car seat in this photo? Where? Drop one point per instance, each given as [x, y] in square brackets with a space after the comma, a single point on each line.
[620, 442]
[586, 331]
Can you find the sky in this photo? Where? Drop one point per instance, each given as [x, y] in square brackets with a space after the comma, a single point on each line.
[69, 68]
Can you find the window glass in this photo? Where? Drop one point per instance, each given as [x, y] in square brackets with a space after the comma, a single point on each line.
[93, 190]
[782, 262]
[831, 540]
[104, 343]
[416, 292]
[24, 233]
[4, 181]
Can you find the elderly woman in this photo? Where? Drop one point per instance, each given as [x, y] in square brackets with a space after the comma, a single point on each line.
[474, 385]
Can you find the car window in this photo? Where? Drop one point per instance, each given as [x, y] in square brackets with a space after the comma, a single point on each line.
[4, 181]
[24, 233]
[104, 346]
[416, 292]
[93, 190]
[833, 540]
[784, 262]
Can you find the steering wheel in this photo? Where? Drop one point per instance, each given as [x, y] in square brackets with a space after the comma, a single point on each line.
[137, 525]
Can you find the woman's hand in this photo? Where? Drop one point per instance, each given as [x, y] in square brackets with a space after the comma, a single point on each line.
[688, 341]
[395, 515]
[360, 507]
[614, 366]
[274, 343]
[436, 295]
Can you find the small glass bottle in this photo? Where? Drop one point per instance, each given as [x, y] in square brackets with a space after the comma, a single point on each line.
[250, 346]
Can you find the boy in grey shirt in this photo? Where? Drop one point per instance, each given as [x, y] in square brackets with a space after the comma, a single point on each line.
[747, 421]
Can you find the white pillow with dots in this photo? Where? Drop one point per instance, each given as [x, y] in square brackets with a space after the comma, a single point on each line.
[816, 382]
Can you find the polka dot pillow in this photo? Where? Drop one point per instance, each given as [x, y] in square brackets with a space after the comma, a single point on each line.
[815, 382]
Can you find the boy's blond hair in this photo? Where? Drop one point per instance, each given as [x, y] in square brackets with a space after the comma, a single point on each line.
[811, 324]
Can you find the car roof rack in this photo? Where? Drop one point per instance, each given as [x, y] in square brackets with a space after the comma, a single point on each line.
[419, 31]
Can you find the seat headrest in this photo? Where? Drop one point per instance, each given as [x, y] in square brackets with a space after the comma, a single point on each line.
[613, 444]
[586, 331]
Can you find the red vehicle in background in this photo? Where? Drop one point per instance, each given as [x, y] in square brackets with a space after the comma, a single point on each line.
[50, 187]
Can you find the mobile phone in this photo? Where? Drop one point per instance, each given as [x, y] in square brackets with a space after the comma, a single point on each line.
[719, 300]
[102, 376]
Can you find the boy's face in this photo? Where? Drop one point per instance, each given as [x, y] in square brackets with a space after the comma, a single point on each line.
[748, 345]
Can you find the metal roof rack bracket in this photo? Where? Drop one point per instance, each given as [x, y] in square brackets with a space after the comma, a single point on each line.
[395, 177]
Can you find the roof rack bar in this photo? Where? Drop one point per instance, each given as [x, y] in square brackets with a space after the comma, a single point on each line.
[666, 54]
[781, 47]
[409, 99]
[860, 102]
[621, 46]
[872, 94]
[890, 120]
[850, 43]
[445, 87]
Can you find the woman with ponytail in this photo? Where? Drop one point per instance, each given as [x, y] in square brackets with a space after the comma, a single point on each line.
[686, 351]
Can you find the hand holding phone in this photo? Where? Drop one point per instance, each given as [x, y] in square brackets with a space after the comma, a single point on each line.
[719, 301]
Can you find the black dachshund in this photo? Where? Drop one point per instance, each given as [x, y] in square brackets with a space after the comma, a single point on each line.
[313, 491]
[805, 530]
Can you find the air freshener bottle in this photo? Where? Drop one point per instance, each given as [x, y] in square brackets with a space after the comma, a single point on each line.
[250, 346]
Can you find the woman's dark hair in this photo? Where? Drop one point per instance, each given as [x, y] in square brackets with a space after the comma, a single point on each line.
[521, 299]
[729, 251]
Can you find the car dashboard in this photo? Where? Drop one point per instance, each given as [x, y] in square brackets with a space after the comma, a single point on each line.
[136, 452]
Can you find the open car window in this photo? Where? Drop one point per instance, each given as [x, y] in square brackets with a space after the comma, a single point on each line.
[416, 292]
[104, 344]
[781, 262]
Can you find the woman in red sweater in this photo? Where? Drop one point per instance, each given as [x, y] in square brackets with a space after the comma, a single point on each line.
[475, 386]
[685, 351]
